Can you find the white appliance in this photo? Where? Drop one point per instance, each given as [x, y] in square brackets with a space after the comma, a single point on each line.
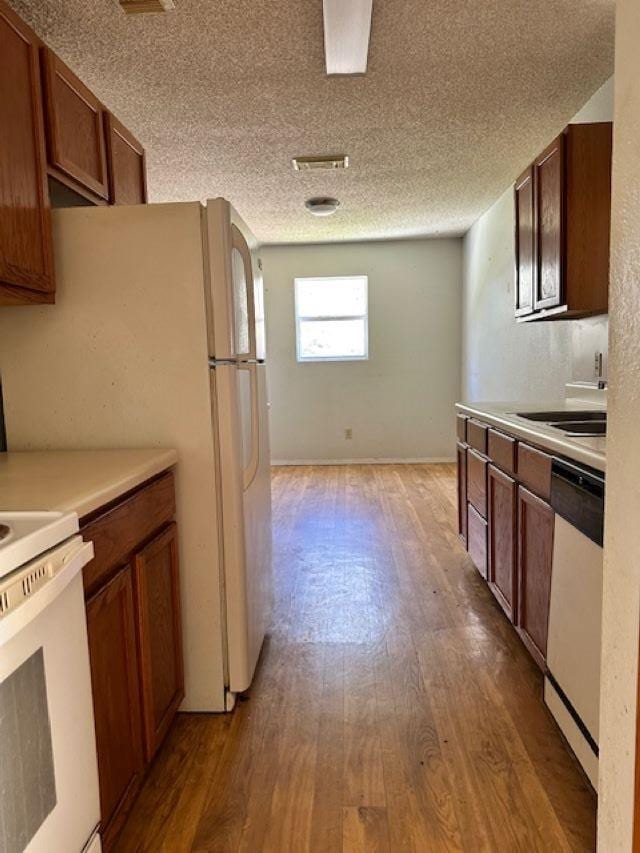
[157, 339]
[572, 683]
[49, 798]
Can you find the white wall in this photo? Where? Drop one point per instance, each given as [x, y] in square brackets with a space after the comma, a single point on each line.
[502, 359]
[622, 543]
[399, 403]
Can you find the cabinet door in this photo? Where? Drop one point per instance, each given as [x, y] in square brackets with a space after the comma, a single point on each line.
[502, 574]
[159, 634]
[477, 539]
[127, 164]
[116, 698]
[535, 552]
[75, 127]
[525, 243]
[550, 202]
[26, 259]
[462, 492]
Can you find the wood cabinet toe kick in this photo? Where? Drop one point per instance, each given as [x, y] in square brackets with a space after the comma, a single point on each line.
[135, 644]
[506, 523]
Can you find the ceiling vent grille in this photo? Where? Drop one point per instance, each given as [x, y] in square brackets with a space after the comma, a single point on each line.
[326, 161]
[139, 7]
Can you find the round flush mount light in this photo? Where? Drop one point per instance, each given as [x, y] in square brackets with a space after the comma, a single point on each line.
[321, 206]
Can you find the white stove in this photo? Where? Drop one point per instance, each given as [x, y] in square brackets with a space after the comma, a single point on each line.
[49, 800]
[26, 535]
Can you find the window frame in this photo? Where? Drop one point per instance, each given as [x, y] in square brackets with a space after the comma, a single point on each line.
[314, 318]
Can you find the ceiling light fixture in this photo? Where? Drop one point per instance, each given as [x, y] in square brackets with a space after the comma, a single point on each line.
[321, 206]
[139, 7]
[347, 28]
[324, 161]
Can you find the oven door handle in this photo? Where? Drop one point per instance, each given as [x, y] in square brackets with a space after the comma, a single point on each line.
[25, 613]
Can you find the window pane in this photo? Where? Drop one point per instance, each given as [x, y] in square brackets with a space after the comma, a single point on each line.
[331, 297]
[333, 339]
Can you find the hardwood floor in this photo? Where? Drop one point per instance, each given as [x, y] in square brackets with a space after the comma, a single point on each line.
[395, 708]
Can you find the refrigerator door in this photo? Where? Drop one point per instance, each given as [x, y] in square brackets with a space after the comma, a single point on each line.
[239, 394]
[258, 290]
[231, 299]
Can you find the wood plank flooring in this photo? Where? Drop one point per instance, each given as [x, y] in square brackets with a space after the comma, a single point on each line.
[395, 709]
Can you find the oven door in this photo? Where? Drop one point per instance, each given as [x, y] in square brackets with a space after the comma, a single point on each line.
[50, 798]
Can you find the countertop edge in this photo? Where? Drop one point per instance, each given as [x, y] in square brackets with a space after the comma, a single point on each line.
[563, 446]
[138, 475]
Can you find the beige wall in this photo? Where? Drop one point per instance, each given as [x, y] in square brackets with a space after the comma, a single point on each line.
[502, 359]
[622, 544]
[399, 403]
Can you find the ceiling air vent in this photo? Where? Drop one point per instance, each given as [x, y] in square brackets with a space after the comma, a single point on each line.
[326, 161]
[138, 7]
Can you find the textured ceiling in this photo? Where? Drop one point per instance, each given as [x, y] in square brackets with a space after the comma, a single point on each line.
[458, 97]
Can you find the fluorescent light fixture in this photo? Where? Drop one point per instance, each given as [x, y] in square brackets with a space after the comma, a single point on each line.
[347, 27]
[324, 161]
[140, 7]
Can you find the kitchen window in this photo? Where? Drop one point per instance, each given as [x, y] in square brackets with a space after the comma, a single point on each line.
[332, 322]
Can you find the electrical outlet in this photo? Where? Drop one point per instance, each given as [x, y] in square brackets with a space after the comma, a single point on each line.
[348, 433]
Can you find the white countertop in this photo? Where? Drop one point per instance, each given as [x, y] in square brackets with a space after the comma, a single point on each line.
[78, 481]
[588, 450]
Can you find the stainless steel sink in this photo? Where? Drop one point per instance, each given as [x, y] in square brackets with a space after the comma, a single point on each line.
[554, 418]
[582, 428]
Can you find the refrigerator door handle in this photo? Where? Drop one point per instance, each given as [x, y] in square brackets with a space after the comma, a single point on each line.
[250, 471]
[240, 245]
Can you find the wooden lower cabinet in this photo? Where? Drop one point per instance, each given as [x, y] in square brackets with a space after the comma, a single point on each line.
[477, 481]
[462, 492]
[158, 607]
[116, 698]
[135, 643]
[535, 553]
[477, 539]
[506, 524]
[502, 573]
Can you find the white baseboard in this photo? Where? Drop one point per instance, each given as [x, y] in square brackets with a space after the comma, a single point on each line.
[419, 460]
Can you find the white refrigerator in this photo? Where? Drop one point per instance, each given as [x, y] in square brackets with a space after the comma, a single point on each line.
[157, 339]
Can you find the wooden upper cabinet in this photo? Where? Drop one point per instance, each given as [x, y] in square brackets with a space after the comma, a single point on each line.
[550, 201]
[75, 129]
[157, 589]
[127, 164]
[566, 196]
[26, 258]
[535, 553]
[525, 243]
[116, 700]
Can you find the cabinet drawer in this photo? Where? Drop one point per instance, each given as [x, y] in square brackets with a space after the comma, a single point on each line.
[502, 451]
[122, 529]
[477, 482]
[461, 427]
[477, 540]
[534, 470]
[477, 435]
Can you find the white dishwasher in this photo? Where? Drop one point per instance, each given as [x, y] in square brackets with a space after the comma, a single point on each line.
[572, 682]
[49, 798]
